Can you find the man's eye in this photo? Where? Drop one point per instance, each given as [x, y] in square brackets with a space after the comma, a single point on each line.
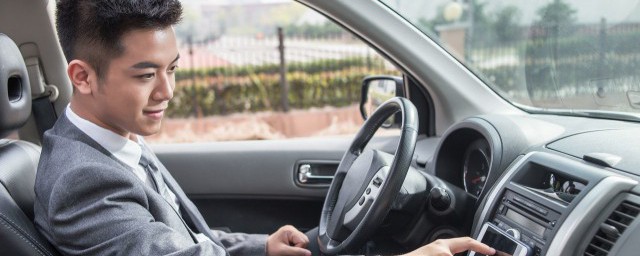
[146, 76]
[173, 69]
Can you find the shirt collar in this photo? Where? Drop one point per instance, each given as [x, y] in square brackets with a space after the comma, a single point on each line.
[122, 148]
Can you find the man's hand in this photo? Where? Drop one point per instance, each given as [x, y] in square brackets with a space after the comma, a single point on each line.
[452, 246]
[287, 241]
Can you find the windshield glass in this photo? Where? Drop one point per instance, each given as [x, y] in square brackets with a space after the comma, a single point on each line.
[565, 56]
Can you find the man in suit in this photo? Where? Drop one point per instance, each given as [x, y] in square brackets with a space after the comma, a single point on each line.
[92, 195]
[99, 189]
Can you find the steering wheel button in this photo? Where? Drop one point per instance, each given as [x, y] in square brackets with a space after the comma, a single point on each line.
[368, 191]
[361, 201]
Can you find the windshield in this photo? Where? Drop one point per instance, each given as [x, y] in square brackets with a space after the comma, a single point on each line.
[577, 57]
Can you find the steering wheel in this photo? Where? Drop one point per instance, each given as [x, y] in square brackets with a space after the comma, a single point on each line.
[367, 181]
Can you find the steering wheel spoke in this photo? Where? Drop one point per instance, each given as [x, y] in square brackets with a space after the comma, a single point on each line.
[354, 216]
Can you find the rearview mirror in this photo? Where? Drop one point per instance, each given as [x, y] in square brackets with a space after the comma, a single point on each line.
[375, 91]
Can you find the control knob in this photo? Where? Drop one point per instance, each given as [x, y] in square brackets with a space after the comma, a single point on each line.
[439, 198]
[514, 232]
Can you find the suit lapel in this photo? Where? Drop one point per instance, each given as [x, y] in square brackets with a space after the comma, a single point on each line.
[71, 131]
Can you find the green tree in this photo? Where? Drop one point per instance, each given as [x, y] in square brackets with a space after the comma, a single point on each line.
[481, 23]
[556, 14]
[544, 76]
[506, 24]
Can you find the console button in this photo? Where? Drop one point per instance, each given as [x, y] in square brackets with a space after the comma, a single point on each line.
[501, 225]
[530, 242]
[518, 199]
[542, 211]
[514, 232]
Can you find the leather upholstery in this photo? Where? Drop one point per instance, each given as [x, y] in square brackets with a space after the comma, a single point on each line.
[18, 160]
[15, 92]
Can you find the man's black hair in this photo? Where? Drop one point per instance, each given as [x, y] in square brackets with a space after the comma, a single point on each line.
[91, 30]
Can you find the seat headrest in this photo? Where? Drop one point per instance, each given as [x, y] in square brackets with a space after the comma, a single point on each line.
[15, 91]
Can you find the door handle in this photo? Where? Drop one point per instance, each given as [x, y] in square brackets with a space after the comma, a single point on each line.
[305, 176]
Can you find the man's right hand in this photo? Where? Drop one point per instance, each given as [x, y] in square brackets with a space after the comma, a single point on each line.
[449, 247]
[287, 241]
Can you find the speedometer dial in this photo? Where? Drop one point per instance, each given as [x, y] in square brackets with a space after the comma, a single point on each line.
[476, 166]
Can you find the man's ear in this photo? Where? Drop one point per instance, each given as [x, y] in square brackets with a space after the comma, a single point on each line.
[82, 76]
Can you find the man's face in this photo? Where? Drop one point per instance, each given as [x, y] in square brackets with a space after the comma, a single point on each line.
[135, 90]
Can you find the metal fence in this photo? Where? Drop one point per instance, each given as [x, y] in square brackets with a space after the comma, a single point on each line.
[572, 60]
[248, 74]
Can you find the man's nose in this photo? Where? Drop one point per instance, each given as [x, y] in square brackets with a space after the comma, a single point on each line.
[164, 89]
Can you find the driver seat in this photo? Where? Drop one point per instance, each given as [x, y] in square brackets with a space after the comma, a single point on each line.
[18, 159]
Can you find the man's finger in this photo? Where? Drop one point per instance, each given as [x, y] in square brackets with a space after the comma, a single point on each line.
[299, 239]
[295, 251]
[461, 244]
[295, 237]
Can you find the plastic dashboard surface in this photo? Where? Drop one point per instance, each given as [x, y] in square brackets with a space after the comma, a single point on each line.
[564, 185]
[564, 197]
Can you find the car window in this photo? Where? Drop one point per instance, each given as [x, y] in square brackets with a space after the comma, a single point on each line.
[573, 57]
[236, 82]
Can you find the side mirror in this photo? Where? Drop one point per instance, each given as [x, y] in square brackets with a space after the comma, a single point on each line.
[378, 89]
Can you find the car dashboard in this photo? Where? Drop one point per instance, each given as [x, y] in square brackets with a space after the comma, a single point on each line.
[560, 185]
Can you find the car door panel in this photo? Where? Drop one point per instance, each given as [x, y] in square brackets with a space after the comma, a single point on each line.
[250, 186]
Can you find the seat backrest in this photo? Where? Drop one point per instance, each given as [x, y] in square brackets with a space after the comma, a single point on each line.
[18, 159]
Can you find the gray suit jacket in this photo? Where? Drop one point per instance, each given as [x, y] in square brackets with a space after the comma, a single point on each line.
[89, 203]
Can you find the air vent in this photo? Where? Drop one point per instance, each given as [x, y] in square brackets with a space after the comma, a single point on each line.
[612, 228]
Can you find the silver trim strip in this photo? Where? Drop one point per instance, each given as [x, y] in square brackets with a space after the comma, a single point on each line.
[572, 230]
[491, 197]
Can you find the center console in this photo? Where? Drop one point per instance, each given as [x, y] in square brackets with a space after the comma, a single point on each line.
[534, 197]
[525, 220]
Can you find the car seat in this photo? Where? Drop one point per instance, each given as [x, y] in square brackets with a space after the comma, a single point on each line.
[18, 159]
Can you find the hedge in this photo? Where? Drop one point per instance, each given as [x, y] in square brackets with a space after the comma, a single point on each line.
[262, 91]
[312, 67]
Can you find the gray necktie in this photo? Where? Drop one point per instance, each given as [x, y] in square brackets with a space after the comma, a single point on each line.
[147, 163]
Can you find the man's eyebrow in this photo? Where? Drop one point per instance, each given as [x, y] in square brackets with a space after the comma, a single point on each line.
[148, 64]
[145, 64]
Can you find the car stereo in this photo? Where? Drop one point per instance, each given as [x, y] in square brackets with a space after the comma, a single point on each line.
[525, 220]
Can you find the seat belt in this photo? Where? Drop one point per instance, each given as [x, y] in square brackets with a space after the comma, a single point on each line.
[43, 96]
[44, 114]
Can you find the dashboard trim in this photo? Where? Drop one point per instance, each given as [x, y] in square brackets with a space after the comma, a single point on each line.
[589, 207]
[495, 190]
